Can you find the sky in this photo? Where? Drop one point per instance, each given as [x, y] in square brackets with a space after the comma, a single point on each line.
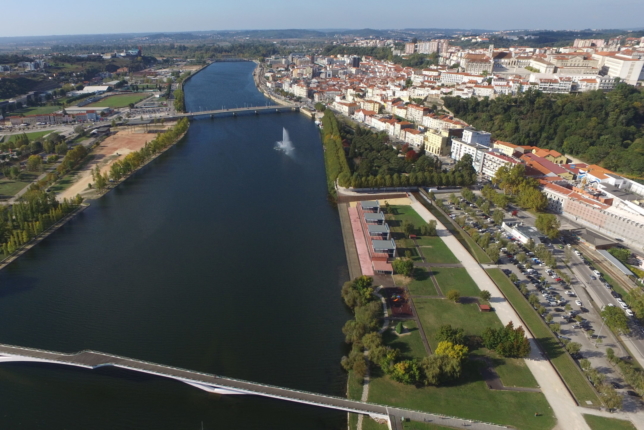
[60, 17]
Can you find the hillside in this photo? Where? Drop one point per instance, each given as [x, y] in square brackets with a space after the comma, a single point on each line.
[597, 127]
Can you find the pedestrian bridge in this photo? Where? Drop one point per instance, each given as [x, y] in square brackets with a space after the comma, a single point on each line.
[222, 385]
[237, 111]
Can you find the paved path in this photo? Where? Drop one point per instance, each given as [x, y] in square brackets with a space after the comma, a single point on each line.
[562, 403]
[353, 261]
[361, 243]
[215, 383]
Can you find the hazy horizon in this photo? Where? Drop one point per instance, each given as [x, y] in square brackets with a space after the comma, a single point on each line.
[64, 18]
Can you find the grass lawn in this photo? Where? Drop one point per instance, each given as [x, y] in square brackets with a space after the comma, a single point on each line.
[369, 424]
[422, 284]
[456, 278]
[38, 110]
[434, 313]
[9, 187]
[410, 345]
[395, 218]
[415, 425]
[463, 237]
[435, 250]
[514, 372]
[569, 370]
[31, 136]
[354, 392]
[602, 423]
[467, 398]
[119, 101]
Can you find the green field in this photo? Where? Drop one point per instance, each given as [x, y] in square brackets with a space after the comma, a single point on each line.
[514, 372]
[435, 251]
[456, 278]
[119, 101]
[434, 313]
[415, 425]
[354, 392]
[38, 110]
[410, 345]
[9, 187]
[568, 369]
[31, 136]
[422, 284]
[602, 423]
[468, 398]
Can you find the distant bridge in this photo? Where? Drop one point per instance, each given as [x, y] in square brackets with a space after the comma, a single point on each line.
[223, 385]
[237, 111]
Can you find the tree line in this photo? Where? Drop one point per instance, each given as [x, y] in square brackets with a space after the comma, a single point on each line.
[132, 161]
[598, 127]
[360, 158]
[27, 219]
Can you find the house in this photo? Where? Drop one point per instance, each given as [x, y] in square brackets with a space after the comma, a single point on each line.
[374, 218]
[387, 247]
[370, 206]
[347, 109]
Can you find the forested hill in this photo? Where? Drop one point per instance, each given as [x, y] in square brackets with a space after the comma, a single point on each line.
[597, 127]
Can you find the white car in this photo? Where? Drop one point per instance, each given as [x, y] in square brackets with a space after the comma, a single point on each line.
[577, 253]
[623, 305]
[629, 312]
[570, 293]
[578, 302]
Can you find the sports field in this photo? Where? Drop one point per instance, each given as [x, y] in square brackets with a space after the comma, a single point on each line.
[119, 101]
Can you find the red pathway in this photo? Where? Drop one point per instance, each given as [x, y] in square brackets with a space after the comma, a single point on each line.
[361, 244]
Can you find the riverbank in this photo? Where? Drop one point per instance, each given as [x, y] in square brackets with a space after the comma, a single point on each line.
[115, 182]
[113, 149]
[42, 236]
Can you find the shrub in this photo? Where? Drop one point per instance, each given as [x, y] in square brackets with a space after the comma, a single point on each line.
[454, 296]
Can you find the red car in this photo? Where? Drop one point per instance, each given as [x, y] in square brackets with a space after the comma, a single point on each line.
[557, 279]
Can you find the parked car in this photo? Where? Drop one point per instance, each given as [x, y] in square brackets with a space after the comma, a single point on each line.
[578, 302]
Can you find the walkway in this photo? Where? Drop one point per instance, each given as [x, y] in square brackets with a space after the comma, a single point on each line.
[223, 385]
[353, 261]
[361, 243]
[562, 403]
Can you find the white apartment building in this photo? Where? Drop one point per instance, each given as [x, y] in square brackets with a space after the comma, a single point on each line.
[627, 69]
[479, 137]
[415, 113]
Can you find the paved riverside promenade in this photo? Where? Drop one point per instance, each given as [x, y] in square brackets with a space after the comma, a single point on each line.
[223, 385]
[562, 403]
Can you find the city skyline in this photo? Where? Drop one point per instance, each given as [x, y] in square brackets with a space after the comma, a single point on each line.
[47, 19]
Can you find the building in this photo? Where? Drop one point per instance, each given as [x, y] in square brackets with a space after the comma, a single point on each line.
[473, 136]
[439, 142]
[477, 63]
[415, 113]
[616, 65]
[522, 233]
[492, 161]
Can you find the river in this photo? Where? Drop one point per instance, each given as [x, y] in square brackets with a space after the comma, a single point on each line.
[221, 256]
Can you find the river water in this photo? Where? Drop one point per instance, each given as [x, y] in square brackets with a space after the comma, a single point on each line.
[221, 256]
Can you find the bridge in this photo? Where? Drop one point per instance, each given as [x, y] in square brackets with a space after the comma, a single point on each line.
[223, 385]
[236, 111]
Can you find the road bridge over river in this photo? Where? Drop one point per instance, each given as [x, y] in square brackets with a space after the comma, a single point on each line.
[223, 385]
[237, 111]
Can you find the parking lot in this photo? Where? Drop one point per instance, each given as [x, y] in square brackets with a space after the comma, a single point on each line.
[566, 304]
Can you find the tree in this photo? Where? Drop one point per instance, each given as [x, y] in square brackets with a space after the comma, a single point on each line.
[507, 341]
[453, 295]
[431, 230]
[399, 327]
[456, 351]
[408, 228]
[403, 266]
[513, 277]
[358, 292]
[61, 148]
[616, 319]
[556, 328]
[493, 251]
[548, 224]
[34, 163]
[320, 107]
[521, 257]
[449, 334]
[485, 295]
[439, 369]
[573, 348]
[497, 217]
